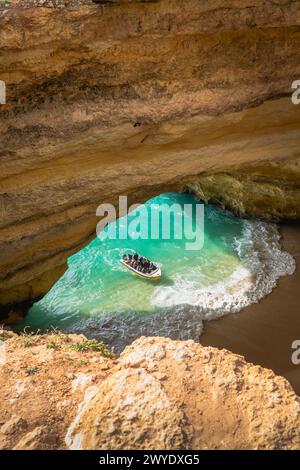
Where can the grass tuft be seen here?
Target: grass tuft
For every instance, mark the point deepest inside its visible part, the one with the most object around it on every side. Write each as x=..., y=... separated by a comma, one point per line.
x=31, y=370
x=54, y=343
x=91, y=345
x=29, y=338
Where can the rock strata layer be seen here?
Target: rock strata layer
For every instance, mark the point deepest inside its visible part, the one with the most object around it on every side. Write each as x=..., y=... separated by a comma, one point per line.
x=138, y=98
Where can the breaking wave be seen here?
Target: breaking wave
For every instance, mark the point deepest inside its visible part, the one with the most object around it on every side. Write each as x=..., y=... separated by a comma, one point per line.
x=240, y=263
x=262, y=264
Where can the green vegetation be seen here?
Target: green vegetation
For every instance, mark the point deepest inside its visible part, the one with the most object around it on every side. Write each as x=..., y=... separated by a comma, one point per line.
x=54, y=343
x=261, y=191
x=56, y=339
x=31, y=370
x=91, y=345
x=28, y=342
x=29, y=338
x=4, y=334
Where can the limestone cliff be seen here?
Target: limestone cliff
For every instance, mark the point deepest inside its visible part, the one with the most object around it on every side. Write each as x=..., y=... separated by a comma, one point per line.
x=268, y=190
x=132, y=97
x=160, y=394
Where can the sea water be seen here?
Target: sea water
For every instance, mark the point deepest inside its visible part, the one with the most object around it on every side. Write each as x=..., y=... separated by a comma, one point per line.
x=239, y=263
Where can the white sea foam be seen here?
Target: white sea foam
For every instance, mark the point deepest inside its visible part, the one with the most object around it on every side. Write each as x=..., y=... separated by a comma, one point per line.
x=96, y=297
x=180, y=308
x=262, y=263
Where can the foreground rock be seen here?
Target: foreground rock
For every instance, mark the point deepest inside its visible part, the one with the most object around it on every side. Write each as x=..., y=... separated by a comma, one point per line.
x=173, y=395
x=43, y=379
x=160, y=394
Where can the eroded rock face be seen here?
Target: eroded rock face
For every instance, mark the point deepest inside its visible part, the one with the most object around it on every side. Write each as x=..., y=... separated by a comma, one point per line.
x=160, y=394
x=43, y=380
x=136, y=98
x=172, y=394
x=266, y=190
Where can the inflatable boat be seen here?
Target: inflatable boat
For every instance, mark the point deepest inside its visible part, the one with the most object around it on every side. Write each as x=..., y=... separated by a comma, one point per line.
x=154, y=275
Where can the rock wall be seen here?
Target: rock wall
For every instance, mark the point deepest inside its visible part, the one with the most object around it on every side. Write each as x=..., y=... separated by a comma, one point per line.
x=138, y=98
x=268, y=190
x=160, y=394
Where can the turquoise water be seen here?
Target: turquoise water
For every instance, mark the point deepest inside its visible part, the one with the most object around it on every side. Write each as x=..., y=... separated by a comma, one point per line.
x=101, y=298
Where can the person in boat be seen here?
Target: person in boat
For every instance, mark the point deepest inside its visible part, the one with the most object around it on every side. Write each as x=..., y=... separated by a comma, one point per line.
x=133, y=261
x=142, y=264
x=152, y=267
x=137, y=260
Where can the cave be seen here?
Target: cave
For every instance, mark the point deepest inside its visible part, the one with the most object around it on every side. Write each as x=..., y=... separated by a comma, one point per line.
x=193, y=99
